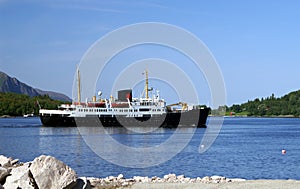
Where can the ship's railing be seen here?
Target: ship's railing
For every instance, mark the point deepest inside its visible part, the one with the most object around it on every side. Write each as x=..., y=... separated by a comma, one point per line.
x=55, y=112
x=121, y=111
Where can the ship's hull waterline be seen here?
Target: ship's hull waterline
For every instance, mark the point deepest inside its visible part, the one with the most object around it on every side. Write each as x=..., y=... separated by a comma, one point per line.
x=192, y=118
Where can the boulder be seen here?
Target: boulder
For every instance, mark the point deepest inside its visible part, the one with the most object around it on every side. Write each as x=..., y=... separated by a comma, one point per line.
x=180, y=177
x=198, y=179
x=170, y=177
x=107, y=180
x=120, y=176
x=14, y=162
x=112, y=179
x=218, y=179
x=145, y=180
x=48, y=172
x=138, y=178
x=94, y=181
x=206, y=179
x=154, y=178
x=3, y=174
x=19, y=178
x=82, y=183
x=186, y=180
x=5, y=161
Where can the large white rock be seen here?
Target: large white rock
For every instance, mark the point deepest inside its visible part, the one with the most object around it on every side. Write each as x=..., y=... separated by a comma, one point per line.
x=19, y=178
x=14, y=162
x=5, y=161
x=120, y=176
x=170, y=177
x=206, y=179
x=138, y=178
x=48, y=172
x=3, y=174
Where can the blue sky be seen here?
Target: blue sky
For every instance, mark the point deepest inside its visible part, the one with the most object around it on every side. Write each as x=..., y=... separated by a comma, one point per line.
x=256, y=43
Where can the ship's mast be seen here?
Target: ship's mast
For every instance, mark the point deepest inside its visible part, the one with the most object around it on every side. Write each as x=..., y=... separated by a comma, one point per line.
x=146, y=87
x=78, y=83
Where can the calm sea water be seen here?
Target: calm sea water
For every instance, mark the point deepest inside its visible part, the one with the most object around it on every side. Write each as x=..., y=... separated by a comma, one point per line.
x=247, y=148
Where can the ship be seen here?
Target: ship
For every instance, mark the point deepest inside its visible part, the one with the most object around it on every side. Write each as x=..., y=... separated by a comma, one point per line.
x=126, y=111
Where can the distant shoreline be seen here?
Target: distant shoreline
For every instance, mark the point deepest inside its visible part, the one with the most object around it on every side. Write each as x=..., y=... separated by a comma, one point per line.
x=226, y=116
x=8, y=116
x=245, y=116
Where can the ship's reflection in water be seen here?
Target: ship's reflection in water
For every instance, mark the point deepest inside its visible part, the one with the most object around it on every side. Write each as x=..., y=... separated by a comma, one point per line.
x=62, y=142
x=53, y=137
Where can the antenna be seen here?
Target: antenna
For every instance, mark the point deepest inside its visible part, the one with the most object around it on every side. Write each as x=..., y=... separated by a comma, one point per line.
x=78, y=83
x=147, y=85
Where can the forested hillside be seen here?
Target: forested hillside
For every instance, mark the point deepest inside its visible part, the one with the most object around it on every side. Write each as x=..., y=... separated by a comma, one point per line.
x=13, y=104
x=288, y=105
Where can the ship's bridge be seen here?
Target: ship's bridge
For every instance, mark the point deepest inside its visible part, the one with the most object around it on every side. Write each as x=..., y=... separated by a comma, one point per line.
x=148, y=102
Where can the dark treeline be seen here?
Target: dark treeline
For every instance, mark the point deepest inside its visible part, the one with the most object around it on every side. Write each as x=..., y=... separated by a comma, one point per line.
x=13, y=104
x=270, y=106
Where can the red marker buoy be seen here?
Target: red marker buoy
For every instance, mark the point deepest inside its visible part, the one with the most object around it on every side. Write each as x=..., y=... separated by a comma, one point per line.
x=283, y=151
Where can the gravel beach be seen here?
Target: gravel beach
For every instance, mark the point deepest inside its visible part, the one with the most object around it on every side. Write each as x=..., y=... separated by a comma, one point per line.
x=249, y=184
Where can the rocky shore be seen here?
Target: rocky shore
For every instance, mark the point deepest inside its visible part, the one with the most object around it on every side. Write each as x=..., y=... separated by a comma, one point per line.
x=46, y=172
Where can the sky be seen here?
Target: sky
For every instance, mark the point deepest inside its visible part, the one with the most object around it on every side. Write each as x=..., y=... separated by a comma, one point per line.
x=255, y=43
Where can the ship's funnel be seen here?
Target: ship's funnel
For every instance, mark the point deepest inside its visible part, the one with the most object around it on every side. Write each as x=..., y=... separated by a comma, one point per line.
x=124, y=94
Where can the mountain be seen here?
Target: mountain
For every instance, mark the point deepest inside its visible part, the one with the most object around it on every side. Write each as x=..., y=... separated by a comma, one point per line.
x=9, y=84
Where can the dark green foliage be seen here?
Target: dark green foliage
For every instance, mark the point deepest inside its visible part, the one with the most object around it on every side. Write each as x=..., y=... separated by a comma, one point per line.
x=288, y=105
x=18, y=104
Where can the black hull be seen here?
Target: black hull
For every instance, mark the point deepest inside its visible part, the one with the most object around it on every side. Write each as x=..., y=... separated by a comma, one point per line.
x=192, y=118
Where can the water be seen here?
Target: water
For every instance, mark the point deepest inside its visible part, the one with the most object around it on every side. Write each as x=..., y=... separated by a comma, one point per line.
x=247, y=148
